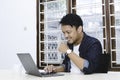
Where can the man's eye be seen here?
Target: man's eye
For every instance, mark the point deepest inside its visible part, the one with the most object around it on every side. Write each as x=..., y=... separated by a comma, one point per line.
x=63, y=32
x=68, y=32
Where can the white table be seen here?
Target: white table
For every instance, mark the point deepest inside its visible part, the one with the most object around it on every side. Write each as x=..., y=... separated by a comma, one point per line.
x=14, y=75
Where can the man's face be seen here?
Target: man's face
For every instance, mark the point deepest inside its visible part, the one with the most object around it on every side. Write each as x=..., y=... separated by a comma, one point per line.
x=71, y=33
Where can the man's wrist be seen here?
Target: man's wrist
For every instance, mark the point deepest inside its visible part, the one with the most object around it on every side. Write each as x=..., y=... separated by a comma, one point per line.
x=69, y=51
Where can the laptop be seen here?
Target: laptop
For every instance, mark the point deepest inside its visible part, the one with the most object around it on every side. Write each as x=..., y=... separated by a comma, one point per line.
x=31, y=68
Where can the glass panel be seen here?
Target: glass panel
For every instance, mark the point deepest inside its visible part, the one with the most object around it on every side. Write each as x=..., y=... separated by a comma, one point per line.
x=41, y=7
x=111, y=1
x=41, y=36
x=52, y=36
x=73, y=3
x=103, y=1
x=111, y=9
x=117, y=28
x=112, y=32
x=104, y=36
x=112, y=18
x=113, y=41
x=91, y=13
x=103, y=21
x=103, y=10
x=113, y=56
x=54, y=11
x=53, y=25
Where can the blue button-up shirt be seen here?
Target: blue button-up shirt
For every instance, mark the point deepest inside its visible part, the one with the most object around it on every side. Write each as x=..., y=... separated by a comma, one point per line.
x=90, y=49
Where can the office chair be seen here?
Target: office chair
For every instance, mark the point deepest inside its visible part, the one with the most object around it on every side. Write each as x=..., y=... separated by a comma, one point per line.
x=104, y=62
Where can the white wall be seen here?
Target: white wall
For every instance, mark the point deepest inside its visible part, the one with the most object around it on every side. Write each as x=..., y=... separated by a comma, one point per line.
x=17, y=30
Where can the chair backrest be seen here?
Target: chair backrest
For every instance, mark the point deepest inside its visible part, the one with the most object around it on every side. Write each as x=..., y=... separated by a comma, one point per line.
x=104, y=63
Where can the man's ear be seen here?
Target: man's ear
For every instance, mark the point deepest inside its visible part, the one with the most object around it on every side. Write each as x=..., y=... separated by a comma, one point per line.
x=79, y=29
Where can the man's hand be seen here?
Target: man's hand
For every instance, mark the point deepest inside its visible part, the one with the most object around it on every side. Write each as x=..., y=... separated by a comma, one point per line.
x=50, y=68
x=63, y=47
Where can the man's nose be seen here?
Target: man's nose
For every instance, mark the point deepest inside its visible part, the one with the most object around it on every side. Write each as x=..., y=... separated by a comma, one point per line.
x=66, y=35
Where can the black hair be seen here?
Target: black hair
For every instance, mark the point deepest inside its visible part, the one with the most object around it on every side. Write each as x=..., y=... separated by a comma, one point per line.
x=72, y=20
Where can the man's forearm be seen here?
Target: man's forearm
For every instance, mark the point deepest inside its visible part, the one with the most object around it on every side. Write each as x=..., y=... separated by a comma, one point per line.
x=78, y=61
x=59, y=69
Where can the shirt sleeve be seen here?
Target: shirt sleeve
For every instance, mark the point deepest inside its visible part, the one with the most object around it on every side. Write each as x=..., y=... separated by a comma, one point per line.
x=86, y=63
x=91, y=63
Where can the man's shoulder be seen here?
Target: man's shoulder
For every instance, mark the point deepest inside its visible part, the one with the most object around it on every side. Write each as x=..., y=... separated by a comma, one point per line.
x=90, y=39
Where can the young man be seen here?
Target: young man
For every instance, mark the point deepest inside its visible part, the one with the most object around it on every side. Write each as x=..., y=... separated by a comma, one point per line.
x=81, y=51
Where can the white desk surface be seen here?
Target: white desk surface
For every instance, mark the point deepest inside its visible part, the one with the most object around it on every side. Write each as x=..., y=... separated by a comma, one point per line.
x=14, y=75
